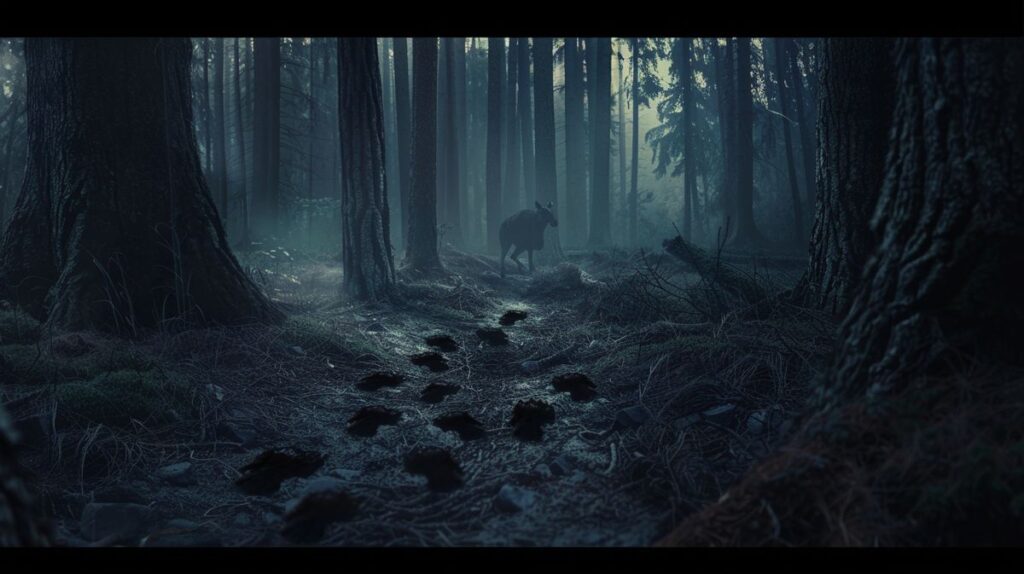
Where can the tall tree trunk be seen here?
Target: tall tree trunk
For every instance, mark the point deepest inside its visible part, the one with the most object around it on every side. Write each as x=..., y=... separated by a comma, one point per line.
x=311, y=141
x=421, y=246
x=453, y=215
x=461, y=138
x=600, y=134
x=620, y=100
x=635, y=160
x=794, y=188
x=495, y=77
x=525, y=109
x=207, y=127
x=366, y=238
x=575, y=147
x=725, y=67
x=689, y=165
x=854, y=117
x=390, y=136
x=267, y=134
x=544, y=120
x=220, y=146
x=240, y=135
x=403, y=121
x=806, y=138
x=510, y=195
x=117, y=230
x=747, y=234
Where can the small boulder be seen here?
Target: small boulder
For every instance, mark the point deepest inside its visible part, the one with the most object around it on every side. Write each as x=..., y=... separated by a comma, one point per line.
x=179, y=474
x=578, y=385
x=436, y=392
x=514, y=498
x=467, y=427
x=443, y=473
x=442, y=342
x=492, y=336
x=528, y=418
x=264, y=475
x=511, y=317
x=431, y=360
x=368, y=419
x=375, y=381
x=722, y=415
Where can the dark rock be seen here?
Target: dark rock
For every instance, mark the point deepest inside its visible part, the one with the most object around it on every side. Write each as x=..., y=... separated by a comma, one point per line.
x=436, y=392
x=561, y=465
x=443, y=342
x=180, y=474
x=723, y=415
x=297, y=350
x=511, y=317
x=492, y=336
x=431, y=360
x=121, y=522
x=267, y=471
x=631, y=417
x=578, y=385
x=376, y=327
x=528, y=418
x=366, y=421
x=514, y=498
x=379, y=379
x=437, y=465
x=462, y=423
x=307, y=517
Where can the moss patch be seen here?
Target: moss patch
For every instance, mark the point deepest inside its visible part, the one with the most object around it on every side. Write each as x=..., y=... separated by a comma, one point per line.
x=117, y=398
x=37, y=364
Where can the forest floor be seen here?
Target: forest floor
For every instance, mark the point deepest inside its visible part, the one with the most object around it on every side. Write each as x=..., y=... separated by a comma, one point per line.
x=142, y=442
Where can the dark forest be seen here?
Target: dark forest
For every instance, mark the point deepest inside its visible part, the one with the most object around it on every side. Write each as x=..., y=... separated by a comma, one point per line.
x=511, y=291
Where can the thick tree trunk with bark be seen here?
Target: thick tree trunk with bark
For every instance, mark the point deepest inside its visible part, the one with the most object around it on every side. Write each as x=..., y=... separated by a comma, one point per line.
x=115, y=228
x=220, y=145
x=453, y=179
x=495, y=79
x=240, y=136
x=403, y=125
x=544, y=121
x=635, y=163
x=600, y=135
x=854, y=117
x=689, y=163
x=510, y=192
x=421, y=246
x=575, y=147
x=725, y=85
x=804, y=123
x=20, y=522
x=369, y=271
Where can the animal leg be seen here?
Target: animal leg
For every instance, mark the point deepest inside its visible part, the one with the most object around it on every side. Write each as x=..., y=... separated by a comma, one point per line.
x=515, y=257
x=504, y=252
x=529, y=256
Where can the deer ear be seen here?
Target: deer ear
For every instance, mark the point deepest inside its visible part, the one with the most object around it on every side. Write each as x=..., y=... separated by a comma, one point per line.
x=537, y=203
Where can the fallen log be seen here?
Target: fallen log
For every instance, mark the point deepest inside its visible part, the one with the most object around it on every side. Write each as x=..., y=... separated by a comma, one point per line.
x=713, y=270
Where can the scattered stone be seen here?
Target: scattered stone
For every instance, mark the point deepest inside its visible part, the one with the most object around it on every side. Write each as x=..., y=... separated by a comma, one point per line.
x=462, y=423
x=511, y=317
x=264, y=475
x=366, y=421
x=437, y=465
x=431, y=360
x=578, y=385
x=307, y=517
x=436, y=392
x=757, y=422
x=542, y=470
x=631, y=417
x=530, y=367
x=180, y=474
x=115, y=520
x=443, y=342
x=514, y=498
x=722, y=415
x=561, y=465
x=375, y=381
x=297, y=350
x=242, y=520
x=492, y=336
x=528, y=418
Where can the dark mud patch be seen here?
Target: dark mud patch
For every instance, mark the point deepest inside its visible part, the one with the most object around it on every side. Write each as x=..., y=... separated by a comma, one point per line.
x=443, y=342
x=431, y=360
x=368, y=419
x=578, y=385
x=528, y=418
x=462, y=423
x=436, y=392
x=375, y=381
x=437, y=465
x=267, y=471
x=492, y=336
x=511, y=317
